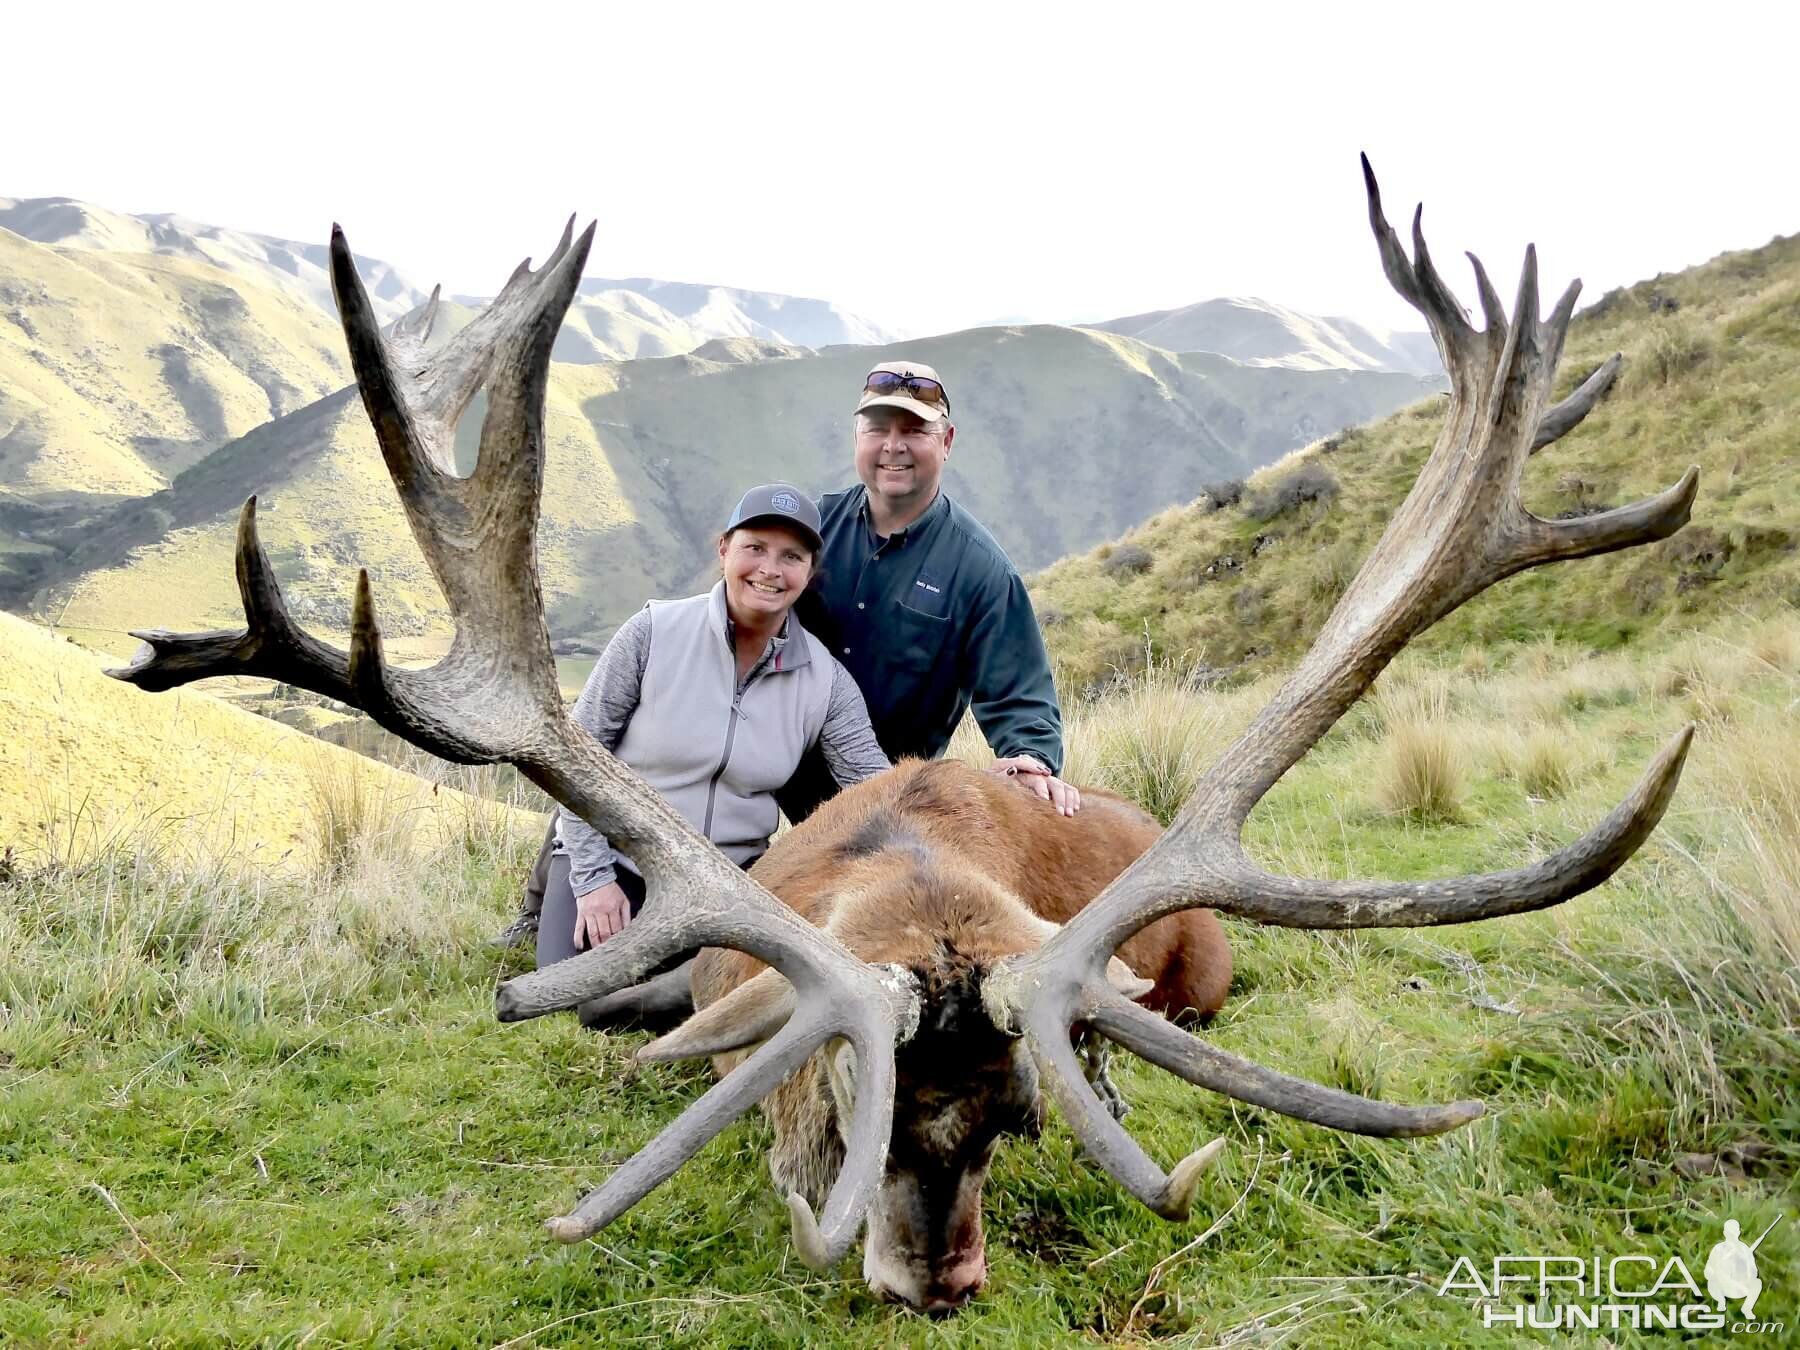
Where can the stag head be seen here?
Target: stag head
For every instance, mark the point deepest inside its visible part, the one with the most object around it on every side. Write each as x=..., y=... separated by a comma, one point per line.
x=962, y=1083
x=494, y=697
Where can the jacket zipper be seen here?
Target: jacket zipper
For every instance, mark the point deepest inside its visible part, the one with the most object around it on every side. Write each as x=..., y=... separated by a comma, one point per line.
x=731, y=723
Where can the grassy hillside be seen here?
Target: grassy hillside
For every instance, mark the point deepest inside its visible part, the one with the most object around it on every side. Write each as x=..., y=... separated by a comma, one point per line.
x=1711, y=377
x=119, y=370
x=235, y=1109
x=1064, y=437
x=90, y=761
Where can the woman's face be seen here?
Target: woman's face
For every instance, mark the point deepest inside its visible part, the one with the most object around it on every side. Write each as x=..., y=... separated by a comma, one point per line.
x=766, y=568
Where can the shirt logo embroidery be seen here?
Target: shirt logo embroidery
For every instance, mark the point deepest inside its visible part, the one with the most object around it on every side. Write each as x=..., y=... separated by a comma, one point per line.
x=784, y=501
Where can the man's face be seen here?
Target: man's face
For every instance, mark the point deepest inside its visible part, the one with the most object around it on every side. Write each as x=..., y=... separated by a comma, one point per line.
x=900, y=459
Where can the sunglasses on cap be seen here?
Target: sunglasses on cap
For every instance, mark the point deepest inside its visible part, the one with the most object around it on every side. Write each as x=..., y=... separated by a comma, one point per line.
x=889, y=382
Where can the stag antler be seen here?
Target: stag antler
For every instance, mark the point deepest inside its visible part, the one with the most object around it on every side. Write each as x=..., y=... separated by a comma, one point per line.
x=1461, y=529
x=494, y=696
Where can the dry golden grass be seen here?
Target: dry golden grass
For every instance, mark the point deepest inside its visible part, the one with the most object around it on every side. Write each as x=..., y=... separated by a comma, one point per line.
x=1151, y=743
x=1150, y=740
x=92, y=762
x=1775, y=645
x=1749, y=785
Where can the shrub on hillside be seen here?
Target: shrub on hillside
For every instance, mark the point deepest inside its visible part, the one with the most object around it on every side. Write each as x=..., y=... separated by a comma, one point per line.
x=1329, y=572
x=1675, y=348
x=1127, y=560
x=1226, y=492
x=1307, y=482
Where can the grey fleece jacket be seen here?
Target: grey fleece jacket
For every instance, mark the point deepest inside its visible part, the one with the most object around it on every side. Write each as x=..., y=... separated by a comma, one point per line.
x=665, y=698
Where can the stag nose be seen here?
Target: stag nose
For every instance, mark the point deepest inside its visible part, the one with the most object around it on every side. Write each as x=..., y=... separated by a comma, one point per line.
x=956, y=1284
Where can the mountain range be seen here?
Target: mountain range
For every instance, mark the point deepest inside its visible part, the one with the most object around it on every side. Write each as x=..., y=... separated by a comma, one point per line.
x=611, y=319
x=155, y=371
x=1070, y=437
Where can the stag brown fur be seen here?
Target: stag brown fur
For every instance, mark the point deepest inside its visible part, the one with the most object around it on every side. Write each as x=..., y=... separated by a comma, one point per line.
x=946, y=870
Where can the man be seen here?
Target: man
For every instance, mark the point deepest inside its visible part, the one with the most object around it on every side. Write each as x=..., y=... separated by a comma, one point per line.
x=922, y=607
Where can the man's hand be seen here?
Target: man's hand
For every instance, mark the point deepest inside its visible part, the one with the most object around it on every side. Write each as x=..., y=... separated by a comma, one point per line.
x=599, y=914
x=1035, y=777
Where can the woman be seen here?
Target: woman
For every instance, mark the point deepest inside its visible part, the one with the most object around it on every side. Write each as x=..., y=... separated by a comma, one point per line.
x=711, y=700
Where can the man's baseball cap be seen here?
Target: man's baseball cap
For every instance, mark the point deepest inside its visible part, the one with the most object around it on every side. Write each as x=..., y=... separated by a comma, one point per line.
x=779, y=504
x=909, y=385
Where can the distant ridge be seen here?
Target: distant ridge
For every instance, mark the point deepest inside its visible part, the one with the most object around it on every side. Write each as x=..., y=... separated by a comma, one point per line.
x=1261, y=333
x=281, y=264
x=611, y=320
x=638, y=317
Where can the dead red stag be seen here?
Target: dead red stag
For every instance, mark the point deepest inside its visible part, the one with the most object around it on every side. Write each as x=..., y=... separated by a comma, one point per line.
x=976, y=1021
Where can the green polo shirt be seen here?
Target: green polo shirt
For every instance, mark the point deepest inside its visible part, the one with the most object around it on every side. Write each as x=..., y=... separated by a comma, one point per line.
x=931, y=621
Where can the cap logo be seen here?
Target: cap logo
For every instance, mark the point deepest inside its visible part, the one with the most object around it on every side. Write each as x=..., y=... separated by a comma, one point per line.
x=784, y=501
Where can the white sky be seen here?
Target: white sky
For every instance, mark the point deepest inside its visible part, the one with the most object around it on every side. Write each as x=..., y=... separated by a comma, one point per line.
x=933, y=166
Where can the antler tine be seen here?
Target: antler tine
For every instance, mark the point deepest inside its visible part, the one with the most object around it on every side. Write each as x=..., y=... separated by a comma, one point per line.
x=820, y=1243
x=1205, y=1065
x=659, y=1160
x=415, y=410
x=748, y=1015
x=1154, y=1038
x=408, y=334
x=1105, y=1140
x=1493, y=312
x=1419, y=284
x=1462, y=528
x=1567, y=415
x=270, y=644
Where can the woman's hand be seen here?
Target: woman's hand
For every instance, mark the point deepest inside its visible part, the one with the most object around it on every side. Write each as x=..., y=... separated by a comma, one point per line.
x=599, y=914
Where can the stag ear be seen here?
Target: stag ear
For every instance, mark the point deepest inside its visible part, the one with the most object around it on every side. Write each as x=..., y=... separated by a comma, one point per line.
x=749, y=1014
x=1126, y=980
x=840, y=1068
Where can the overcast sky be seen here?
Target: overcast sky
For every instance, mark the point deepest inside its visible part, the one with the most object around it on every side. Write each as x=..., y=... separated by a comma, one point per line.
x=933, y=166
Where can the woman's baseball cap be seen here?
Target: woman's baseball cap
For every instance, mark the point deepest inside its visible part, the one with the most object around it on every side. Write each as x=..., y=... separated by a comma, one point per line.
x=780, y=504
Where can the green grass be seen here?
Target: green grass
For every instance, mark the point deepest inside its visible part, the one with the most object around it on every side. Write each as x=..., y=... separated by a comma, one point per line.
x=314, y=1132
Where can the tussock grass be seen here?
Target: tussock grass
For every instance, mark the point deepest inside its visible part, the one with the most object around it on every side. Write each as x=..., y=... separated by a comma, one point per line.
x=1758, y=873
x=1150, y=743
x=1674, y=349
x=352, y=815
x=1544, y=760
x=1422, y=772
x=1149, y=740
